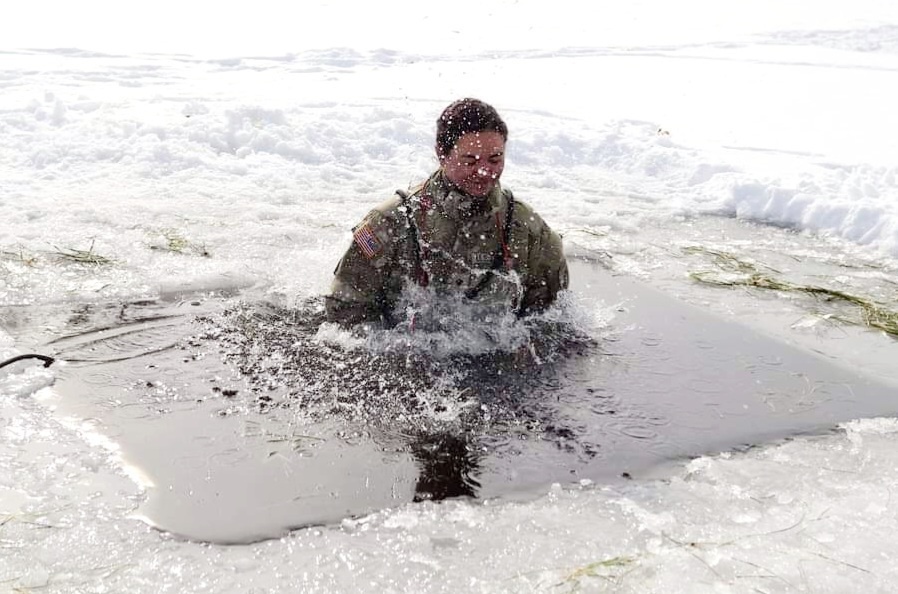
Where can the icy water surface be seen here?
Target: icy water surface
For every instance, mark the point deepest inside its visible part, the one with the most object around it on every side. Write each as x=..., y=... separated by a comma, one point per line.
x=241, y=423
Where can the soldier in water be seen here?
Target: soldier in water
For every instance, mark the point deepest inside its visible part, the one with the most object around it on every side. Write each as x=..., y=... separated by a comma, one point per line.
x=459, y=232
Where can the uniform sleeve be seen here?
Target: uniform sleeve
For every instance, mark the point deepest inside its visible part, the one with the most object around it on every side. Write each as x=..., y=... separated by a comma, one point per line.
x=363, y=287
x=547, y=274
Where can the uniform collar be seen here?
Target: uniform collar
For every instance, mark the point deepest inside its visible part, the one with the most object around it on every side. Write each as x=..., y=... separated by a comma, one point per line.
x=460, y=206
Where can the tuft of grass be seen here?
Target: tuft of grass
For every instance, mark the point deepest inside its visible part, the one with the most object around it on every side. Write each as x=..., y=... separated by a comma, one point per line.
x=607, y=569
x=746, y=274
x=725, y=260
x=872, y=314
x=88, y=256
x=25, y=519
x=19, y=256
x=588, y=231
x=178, y=244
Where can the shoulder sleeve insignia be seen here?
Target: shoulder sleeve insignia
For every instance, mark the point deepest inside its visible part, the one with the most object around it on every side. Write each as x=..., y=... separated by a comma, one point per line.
x=367, y=241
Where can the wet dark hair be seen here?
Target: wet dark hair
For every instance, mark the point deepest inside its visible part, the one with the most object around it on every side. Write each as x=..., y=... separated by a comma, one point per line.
x=463, y=116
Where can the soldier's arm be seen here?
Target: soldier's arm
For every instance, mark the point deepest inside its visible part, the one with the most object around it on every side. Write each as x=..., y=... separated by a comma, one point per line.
x=362, y=289
x=357, y=293
x=547, y=271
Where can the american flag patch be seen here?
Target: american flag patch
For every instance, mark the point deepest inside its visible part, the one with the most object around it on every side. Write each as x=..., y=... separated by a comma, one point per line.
x=367, y=241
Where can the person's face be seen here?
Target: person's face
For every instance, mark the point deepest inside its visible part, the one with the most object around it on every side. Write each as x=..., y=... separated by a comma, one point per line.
x=476, y=162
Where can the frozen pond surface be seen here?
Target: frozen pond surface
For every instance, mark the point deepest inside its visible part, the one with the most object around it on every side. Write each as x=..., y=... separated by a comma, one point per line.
x=720, y=145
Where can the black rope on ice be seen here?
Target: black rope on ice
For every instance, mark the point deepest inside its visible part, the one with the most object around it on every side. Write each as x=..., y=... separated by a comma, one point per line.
x=48, y=361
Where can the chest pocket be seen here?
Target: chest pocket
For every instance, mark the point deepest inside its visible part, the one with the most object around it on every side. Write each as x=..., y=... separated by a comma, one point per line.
x=460, y=268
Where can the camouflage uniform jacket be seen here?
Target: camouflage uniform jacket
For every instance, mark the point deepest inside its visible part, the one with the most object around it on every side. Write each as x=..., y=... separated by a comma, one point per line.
x=445, y=239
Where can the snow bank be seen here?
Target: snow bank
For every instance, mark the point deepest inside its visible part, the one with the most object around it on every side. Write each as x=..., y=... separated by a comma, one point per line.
x=858, y=203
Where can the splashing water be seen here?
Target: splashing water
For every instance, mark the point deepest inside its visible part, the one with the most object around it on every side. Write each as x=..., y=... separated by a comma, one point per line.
x=440, y=376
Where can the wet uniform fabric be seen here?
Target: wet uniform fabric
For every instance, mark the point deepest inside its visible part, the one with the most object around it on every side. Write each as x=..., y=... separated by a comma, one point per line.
x=445, y=239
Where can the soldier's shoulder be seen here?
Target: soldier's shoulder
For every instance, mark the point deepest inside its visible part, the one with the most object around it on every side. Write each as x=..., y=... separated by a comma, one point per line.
x=391, y=206
x=526, y=216
x=384, y=214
